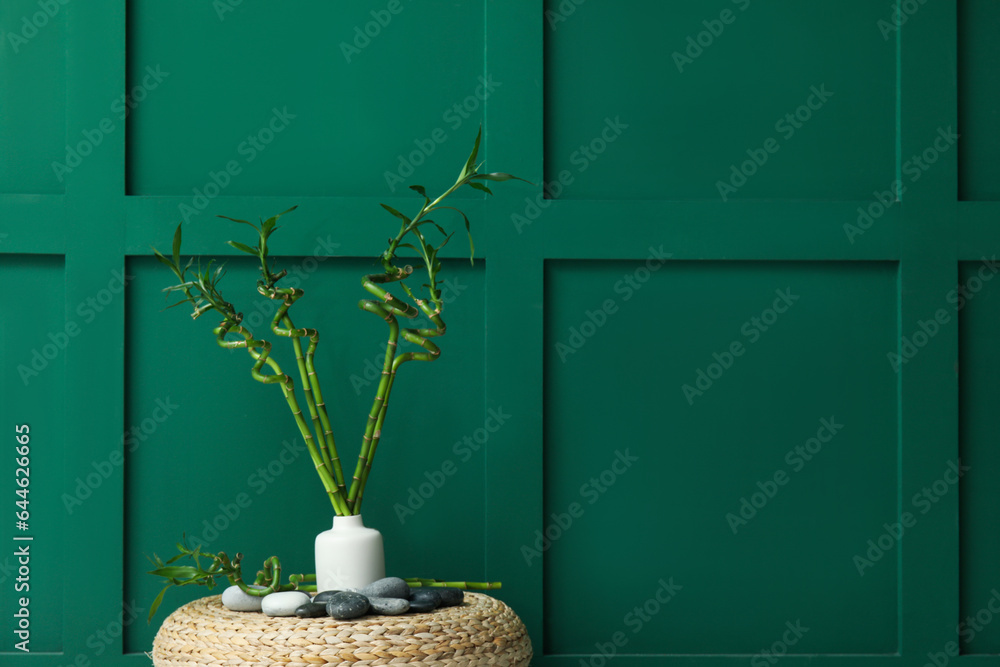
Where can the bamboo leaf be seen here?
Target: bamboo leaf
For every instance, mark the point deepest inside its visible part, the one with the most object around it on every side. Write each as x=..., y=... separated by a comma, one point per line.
x=156, y=604
x=177, y=245
x=446, y=239
x=163, y=259
x=480, y=186
x=499, y=176
x=243, y=247
x=419, y=189
x=468, y=229
x=469, y=164
x=174, y=305
x=396, y=213
x=242, y=222
x=268, y=226
x=175, y=572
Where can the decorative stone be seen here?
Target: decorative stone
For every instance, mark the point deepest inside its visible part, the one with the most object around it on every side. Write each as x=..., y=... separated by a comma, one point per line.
x=324, y=597
x=284, y=603
x=424, y=599
x=345, y=605
x=389, y=606
x=450, y=597
x=311, y=610
x=389, y=587
x=235, y=599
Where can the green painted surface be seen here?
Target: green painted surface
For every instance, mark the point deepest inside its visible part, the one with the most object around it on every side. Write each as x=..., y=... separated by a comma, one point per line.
x=544, y=265
x=33, y=109
x=33, y=393
x=751, y=472
x=979, y=99
x=355, y=86
x=681, y=101
x=980, y=547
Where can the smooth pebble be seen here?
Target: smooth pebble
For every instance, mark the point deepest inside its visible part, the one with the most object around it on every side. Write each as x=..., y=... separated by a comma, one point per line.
x=389, y=587
x=424, y=599
x=311, y=610
x=324, y=596
x=234, y=599
x=389, y=606
x=284, y=603
x=345, y=605
x=451, y=596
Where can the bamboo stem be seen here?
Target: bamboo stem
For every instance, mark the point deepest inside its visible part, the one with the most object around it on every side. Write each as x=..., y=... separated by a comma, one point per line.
x=231, y=325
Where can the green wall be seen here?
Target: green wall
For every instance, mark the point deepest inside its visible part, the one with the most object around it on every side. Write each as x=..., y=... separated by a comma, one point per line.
x=705, y=389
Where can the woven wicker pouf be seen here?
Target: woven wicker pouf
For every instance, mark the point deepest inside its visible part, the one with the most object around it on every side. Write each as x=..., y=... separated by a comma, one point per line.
x=482, y=631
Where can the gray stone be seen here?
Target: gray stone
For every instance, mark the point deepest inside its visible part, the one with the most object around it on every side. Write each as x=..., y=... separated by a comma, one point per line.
x=389, y=606
x=324, y=596
x=389, y=587
x=311, y=610
x=346, y=604
x=451, y=597
x=424, y=599
x=234, y=599
x=284, y=603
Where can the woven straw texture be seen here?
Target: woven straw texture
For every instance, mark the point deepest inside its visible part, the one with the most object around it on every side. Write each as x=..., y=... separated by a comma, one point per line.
x=483, y=631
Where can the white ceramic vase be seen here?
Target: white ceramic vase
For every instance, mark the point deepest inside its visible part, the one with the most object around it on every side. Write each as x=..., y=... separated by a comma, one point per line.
x=348, y=555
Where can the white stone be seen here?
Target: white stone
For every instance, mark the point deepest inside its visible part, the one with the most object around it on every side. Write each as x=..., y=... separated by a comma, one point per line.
x=234, y=599
x=284, y=603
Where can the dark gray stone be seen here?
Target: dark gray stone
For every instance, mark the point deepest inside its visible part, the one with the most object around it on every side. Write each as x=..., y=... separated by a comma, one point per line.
x=451, y=597
x=389, y=606
x=311, y=610
x=324, y=596
x=424, y=599
x=345, y=605
x=389, y=587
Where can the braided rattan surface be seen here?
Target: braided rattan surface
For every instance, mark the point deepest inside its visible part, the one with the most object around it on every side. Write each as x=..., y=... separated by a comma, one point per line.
x=482, y=631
